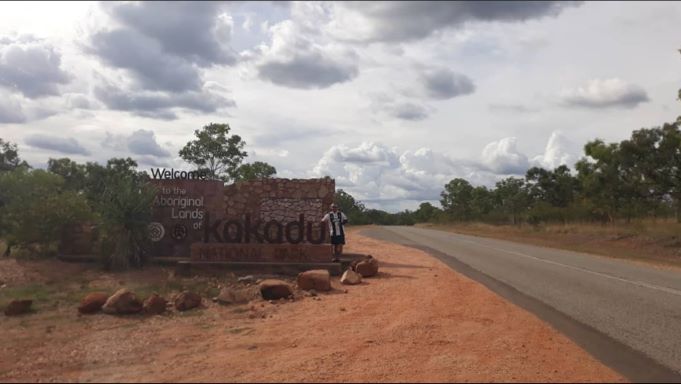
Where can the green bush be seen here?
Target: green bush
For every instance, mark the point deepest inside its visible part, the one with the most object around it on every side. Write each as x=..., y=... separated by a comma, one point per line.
x=34, y=208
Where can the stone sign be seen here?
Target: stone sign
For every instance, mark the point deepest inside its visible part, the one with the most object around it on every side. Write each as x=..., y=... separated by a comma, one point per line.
x=275, y=220
x=179, y=211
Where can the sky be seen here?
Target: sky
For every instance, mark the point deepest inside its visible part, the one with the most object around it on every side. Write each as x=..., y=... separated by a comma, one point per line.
x=391, y=99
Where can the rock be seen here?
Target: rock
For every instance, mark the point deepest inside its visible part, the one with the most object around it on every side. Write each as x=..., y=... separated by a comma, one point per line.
x=246, y=279
x=312, y=292
x=93, y=302
x=351, y=277
x=367, y=267
x=18, y=307
x=272, y=289
x=234, y=296
x=122, y=302
x=187, y=300
x=155, y=305
x=318, y=279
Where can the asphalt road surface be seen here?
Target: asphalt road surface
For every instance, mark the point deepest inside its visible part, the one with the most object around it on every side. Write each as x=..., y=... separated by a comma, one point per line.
x=626, y=314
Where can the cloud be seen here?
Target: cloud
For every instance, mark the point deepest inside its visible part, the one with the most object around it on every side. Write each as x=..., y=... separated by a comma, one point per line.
x=409, y=111
x=375, y=21
x=559, y=151
x=510, y=108
x=10, y=110
x=604, y=93
x=503, y=157
x=306, y=70
x=298, y=58
x=402, y=109
x=143, y=142
x=56, y=143
x=377, y=174
x=31, y=67
x=443, y=83
x=160, y=105
x=163, y=47
x=199, y=32
x=146, y=61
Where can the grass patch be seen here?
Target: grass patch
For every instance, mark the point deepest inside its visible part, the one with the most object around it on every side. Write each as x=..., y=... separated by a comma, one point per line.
x=644, y=240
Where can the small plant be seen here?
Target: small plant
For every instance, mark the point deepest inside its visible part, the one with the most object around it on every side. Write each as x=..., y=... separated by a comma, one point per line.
x=125, y=210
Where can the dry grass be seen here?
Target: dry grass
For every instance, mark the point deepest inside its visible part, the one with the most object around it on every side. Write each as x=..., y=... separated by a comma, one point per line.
x=658, y=241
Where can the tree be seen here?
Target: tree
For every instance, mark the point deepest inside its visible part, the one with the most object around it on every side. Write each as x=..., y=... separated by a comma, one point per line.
x=512, y=197
x=215, y=151
x=9, y=157
x=256, y=170
x=74, y=174
x=37, y=207
x=456, y=199
x=353, y=209
x=426, y=212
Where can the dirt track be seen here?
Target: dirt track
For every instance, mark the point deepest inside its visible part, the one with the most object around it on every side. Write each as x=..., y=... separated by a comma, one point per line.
x=417, y=321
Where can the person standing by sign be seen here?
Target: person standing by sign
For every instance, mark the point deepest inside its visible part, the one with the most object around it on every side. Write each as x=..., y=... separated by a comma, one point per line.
x=336, y=220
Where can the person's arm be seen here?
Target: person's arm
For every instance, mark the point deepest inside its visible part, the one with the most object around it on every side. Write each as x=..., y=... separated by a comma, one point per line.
x=325, y=218
x=345, y=218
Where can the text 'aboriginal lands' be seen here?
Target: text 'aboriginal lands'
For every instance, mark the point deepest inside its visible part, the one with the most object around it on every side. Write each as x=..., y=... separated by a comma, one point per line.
x=182, y=207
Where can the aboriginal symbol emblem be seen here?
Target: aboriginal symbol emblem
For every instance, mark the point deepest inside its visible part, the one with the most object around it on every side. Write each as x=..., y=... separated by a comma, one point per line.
x=156, y=231
x=179, y=232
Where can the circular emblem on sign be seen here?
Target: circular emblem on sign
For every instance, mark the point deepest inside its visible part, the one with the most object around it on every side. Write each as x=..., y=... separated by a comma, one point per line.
x=179, y=232
x=156, y=231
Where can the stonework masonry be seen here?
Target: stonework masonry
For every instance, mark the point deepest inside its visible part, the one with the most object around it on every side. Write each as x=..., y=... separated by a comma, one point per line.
x=282, y=200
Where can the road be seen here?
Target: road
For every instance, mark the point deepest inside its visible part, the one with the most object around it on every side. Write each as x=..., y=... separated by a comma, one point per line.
x=626, y=314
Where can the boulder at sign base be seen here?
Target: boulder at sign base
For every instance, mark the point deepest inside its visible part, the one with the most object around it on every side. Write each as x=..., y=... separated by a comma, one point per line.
x=155, y=305
x=318, y=279
x=367, y=267
x=351, y=277
x=18, y=307
x=272, y=289
x=123, y=302
x=93, y=302
x=187, y=300
x=234, y=296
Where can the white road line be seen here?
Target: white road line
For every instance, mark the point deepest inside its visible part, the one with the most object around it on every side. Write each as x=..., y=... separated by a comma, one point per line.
x=634, y=282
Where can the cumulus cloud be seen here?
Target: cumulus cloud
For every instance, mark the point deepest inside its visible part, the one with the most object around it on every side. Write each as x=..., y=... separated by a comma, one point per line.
x=402, y=109
x=140, y=142
x=559, y=151
x=163, y=48
x=31, y=67
x=145, y=60
x=375, y=21
x=503, y=157
x=143, y=142
x=57, y=143
x=199, y=32
x=376, y=174
x=10, y=110
x=160, y=105
x=443, y=83
x=300, y=57
x=603, y=93
x=306, y=70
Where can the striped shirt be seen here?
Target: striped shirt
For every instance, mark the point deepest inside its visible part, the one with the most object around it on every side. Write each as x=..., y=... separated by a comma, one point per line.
x=336, y=221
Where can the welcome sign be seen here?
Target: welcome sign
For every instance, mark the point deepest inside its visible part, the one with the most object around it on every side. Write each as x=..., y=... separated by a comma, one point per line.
x=260, y=220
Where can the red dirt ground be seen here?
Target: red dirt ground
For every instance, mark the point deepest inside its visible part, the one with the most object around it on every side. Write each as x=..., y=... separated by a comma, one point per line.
x=416, y=321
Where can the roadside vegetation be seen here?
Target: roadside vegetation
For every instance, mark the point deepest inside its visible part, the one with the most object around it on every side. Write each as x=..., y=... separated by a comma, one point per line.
x=36, y=205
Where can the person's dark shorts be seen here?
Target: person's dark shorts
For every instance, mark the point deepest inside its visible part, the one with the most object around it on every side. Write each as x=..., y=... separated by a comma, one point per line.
x=340, y=239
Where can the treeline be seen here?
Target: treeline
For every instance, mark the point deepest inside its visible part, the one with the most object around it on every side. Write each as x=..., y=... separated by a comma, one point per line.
x=36, y=205
x=639, y=177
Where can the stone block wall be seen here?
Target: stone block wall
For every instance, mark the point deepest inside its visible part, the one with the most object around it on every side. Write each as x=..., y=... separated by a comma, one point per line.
x=280, y=200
